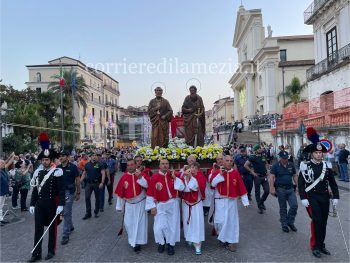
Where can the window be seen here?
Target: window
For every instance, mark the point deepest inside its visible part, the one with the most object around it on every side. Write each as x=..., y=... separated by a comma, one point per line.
x=106, y=115
x=100, y=114
x=38, y=90
x=38, y=77
x=85, y=134
x=331, y=37
x=93, y=112
x=99, y=99
x=106, y=101
x=283, y=55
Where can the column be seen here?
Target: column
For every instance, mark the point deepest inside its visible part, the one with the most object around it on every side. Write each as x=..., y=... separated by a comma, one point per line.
x=250, y=95
x=270, y=89
x=236, y=110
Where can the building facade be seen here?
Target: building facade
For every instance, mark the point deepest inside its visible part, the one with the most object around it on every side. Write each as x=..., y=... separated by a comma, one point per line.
x=266, y=66
x=98, y=121
x=328, y=106
x=134, y=126
x=222, y=120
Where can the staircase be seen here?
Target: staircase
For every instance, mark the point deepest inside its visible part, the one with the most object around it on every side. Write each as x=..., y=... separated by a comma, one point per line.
x=245, y=137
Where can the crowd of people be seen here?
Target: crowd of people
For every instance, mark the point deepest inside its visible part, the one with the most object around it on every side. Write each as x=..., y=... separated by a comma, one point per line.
x=176, y=198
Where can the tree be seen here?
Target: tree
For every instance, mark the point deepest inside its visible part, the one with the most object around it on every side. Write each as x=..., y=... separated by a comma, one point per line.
x=49, y=103
x=13, y=96
x=19, y=144
x=292, y=92
x=81, y=93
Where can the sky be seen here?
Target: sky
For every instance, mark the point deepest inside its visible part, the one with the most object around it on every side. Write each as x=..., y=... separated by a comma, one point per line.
x=145, y=42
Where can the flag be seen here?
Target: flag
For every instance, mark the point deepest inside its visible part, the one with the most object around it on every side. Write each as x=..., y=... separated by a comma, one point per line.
x=61, y=77
x=73, y=80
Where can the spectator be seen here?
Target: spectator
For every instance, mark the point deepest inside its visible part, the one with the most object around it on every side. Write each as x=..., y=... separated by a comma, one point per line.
x=343, y=163
x=4, y=185
x=20, y=178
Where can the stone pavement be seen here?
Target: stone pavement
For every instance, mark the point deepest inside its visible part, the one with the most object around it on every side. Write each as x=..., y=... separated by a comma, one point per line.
x=261, y=239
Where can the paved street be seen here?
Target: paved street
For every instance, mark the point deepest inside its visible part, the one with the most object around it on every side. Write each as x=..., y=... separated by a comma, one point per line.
x=261, y=239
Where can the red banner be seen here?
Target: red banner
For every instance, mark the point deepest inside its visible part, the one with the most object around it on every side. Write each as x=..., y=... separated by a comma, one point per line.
x=177, y=127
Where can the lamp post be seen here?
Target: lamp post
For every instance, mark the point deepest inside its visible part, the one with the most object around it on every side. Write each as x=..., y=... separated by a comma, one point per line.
x=257, y=123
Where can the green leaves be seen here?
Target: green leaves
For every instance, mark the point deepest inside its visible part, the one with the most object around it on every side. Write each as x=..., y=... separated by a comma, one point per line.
x=292, y=92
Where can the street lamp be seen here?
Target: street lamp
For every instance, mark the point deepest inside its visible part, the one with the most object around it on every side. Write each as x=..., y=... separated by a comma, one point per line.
x=257, y=123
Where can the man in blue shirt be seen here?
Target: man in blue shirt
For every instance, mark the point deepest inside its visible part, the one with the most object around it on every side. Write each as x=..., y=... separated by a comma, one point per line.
x=240, y=160
x=283, y=174
x=343, y=163
x=95, y=176
x=72, y=192
x=112, y=167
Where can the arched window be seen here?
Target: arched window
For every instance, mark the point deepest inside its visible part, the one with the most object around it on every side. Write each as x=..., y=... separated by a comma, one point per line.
x=38, y=77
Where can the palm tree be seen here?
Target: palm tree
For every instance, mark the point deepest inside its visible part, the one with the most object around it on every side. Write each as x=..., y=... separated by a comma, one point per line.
x=49, y=103
x=292, y=92
x=81, y=93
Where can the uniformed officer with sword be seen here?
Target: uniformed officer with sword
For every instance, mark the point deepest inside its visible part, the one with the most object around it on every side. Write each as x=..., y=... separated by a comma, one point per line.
x=48, y=199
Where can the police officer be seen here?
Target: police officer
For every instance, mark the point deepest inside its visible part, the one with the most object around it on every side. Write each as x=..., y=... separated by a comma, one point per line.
x=283, y=174
x=313, y=182
x=94, y=174
x=72, y=192
x=259, y=171
x=240, y=160
x=48, y=186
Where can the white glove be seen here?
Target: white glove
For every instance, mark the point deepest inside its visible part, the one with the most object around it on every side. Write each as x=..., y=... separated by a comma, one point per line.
x=335, y=202
x=31, y=210
x=305, y=202
x=59, y=210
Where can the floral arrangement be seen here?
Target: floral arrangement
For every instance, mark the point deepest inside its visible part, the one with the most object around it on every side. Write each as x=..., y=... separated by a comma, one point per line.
x=178, y=150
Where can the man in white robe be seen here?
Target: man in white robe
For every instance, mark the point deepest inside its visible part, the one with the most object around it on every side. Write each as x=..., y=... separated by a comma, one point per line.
x=229, y=186
x=131, y=197
x=164, y=205
x=192, y=207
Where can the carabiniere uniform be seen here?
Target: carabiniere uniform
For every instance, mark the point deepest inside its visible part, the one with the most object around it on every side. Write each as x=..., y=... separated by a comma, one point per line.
x=316, y=191
x=48, y=193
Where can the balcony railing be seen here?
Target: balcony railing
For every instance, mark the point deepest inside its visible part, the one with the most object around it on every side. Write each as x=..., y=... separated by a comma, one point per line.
x=329, y=63
x=312, y=9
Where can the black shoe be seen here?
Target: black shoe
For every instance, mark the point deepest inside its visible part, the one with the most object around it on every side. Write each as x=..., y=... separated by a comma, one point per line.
x=96, y=215
x=110, y=202
x=285, y=229
x=261, y=211
x=86, y=217
x=292, y=227
x=171, y=250
x=72, y=229
x=316, y=253
x=263, y=206
x=101, y=210
x=34, y=258
x=49, y=256
x=161, y=248
x=325, y=251
x=24, y=209
x=4, y=222
x=137, y=248
x=65, y=240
